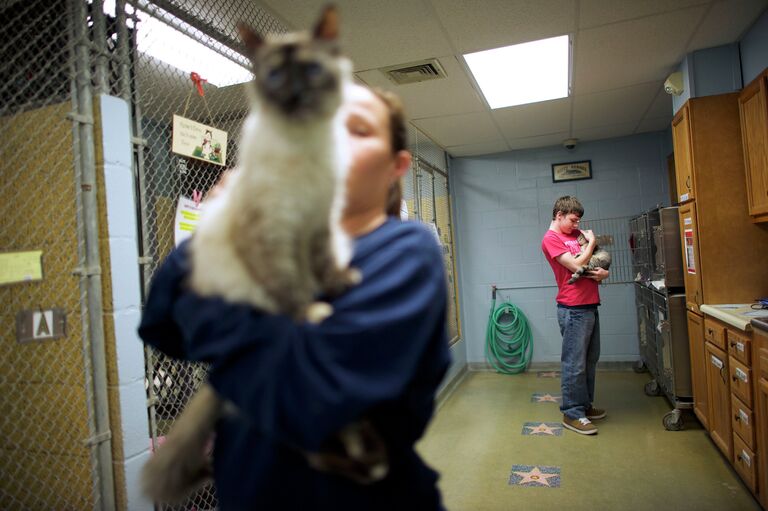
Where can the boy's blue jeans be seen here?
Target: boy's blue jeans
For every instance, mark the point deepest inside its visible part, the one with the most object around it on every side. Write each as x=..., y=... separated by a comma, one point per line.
x=580, y=329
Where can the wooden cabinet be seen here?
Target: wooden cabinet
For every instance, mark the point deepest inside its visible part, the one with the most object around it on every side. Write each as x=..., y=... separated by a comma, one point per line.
x=681, y=138
x=762, y=439
x=719, y=399
x=753, y=109
x=698, y=368
x=760, y=370
x=691, y=265
x=709, y=161
x=743, y=422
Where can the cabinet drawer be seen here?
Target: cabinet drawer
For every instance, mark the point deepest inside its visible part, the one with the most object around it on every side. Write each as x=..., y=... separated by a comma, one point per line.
x=741, y=381
x=714, y=332
x=762, y=363
x=744, y=462
x=742, y=420
x=740, y=347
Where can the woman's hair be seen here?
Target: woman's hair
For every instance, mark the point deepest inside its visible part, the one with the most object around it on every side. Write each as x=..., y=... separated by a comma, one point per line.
x=398, y=140
x=567, y=205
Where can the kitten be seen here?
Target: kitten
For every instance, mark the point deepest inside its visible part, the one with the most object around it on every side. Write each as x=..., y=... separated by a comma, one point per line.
x=601, y=258
x=271, y=237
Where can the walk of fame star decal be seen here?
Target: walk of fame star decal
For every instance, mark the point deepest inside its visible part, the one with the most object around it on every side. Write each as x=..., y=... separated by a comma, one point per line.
x=548, y=374
x=543, y=429
x=540, y=397
x=535, y=475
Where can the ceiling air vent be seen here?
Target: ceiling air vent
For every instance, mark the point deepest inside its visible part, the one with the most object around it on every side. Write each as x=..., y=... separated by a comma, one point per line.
x=415, y=72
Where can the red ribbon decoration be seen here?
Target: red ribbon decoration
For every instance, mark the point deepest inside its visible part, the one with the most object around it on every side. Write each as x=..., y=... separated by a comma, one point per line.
x=197, y=197
x=198, y=82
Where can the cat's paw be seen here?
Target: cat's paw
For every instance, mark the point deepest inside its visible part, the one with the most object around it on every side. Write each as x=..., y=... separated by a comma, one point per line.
x=353, y=276
x=317, y=312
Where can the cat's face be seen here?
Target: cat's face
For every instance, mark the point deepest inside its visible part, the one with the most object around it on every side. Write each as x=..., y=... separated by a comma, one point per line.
x=299, y=74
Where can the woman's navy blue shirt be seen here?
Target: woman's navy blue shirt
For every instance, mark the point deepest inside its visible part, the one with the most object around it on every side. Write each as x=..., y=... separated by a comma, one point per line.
x=382, y=355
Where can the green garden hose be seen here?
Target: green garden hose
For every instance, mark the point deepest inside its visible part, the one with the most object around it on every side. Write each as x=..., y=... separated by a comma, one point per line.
x=509, y=343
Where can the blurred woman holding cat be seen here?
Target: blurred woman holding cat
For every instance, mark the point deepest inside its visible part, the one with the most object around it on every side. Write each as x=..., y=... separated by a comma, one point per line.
x=379, y=358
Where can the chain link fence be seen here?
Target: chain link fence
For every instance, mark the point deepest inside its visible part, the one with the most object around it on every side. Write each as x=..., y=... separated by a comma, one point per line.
x=57, y=449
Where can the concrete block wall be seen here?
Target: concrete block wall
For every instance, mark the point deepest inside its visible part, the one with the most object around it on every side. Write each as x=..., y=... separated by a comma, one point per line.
x=502, y=207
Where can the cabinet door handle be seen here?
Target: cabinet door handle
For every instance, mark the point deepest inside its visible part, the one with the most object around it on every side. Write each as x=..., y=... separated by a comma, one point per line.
x=737, y=418
x=688, y=182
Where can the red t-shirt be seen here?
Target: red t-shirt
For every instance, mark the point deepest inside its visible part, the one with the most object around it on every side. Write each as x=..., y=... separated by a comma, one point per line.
x=582, y=292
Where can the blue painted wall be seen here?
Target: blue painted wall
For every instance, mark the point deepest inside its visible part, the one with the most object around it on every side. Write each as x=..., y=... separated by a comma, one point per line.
x=709, y=72
x=717, y=70
x=754, y=49
x=503, y=206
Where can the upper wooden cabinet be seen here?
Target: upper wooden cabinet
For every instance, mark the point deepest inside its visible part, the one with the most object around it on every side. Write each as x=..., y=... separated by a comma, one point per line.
x=681, y=138
x=723, y=250
x=753, y=107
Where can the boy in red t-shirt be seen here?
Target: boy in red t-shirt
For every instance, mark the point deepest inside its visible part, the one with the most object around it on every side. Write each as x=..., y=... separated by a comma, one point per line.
x=576, y=313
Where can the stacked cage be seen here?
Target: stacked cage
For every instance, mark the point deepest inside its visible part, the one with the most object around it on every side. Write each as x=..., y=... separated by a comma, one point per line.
x=661, y=313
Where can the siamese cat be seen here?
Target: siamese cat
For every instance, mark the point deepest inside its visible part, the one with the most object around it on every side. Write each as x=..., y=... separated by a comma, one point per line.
x=272, y=238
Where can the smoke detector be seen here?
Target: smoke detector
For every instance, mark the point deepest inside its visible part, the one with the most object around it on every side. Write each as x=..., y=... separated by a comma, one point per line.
x=415, y=72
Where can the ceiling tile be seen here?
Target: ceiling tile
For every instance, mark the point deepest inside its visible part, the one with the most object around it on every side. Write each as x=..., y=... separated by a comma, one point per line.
x=632, y=52
x=460, y=129
x=726, y=22
x=541, y=141
x=601, y=12
x=477, y=149
x=654, y=124
x=601, y=132
x=451, y=95
x=661, y=106
x=625, y=105
x=375, y=34
x=475, y=26
x=534, y=119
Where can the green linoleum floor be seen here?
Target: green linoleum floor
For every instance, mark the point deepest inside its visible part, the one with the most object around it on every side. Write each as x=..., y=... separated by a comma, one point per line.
x=633, y=463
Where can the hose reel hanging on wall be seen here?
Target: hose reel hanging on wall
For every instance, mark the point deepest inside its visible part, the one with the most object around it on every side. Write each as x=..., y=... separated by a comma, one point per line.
x=508, y=338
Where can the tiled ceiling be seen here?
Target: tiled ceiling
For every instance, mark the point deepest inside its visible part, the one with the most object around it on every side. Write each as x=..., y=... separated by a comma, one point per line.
x=622, y=52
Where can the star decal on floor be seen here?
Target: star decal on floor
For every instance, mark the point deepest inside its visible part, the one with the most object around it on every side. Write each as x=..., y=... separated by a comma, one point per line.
x=531, y=475
x=540, y=397
x=543, y=429
x=548, y=374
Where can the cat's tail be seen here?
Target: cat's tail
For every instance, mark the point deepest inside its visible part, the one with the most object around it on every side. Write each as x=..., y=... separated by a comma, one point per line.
x=181, y=465
x=576, y=276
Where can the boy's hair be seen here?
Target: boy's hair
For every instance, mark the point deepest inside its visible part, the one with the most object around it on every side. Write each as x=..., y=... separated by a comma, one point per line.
x=566, y=205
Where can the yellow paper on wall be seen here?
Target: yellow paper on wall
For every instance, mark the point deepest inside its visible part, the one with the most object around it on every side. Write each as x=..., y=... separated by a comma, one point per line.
x=21, y=266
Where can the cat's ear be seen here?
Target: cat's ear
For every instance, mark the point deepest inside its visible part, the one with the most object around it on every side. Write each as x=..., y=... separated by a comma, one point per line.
x=251, y=39
x=328, y=26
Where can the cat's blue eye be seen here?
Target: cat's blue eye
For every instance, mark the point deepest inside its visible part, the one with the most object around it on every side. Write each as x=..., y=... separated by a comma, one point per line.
x=313, y=69
x=275, y=76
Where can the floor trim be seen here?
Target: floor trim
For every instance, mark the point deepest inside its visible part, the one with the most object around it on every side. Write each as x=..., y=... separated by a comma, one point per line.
x=555, y=366
x=447, y=390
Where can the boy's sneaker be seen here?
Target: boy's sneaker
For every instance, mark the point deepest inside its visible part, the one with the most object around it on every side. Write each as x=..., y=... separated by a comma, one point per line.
x=583, y=425
x=593, y=413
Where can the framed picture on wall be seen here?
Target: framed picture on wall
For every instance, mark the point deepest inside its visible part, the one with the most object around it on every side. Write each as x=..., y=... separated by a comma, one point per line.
x=571, y=171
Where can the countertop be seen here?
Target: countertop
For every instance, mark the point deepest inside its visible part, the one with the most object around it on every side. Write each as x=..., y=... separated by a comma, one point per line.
x=737, y=315
x=760, y=324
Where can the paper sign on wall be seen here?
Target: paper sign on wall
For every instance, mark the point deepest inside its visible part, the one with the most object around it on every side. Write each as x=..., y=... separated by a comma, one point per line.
x=199, y=141
x=187, y=217
x=690, y=260
x=21, y=266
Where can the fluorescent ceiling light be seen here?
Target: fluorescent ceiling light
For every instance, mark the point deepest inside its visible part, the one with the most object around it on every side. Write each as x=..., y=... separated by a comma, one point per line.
x=163, y=42
x=522, y=73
